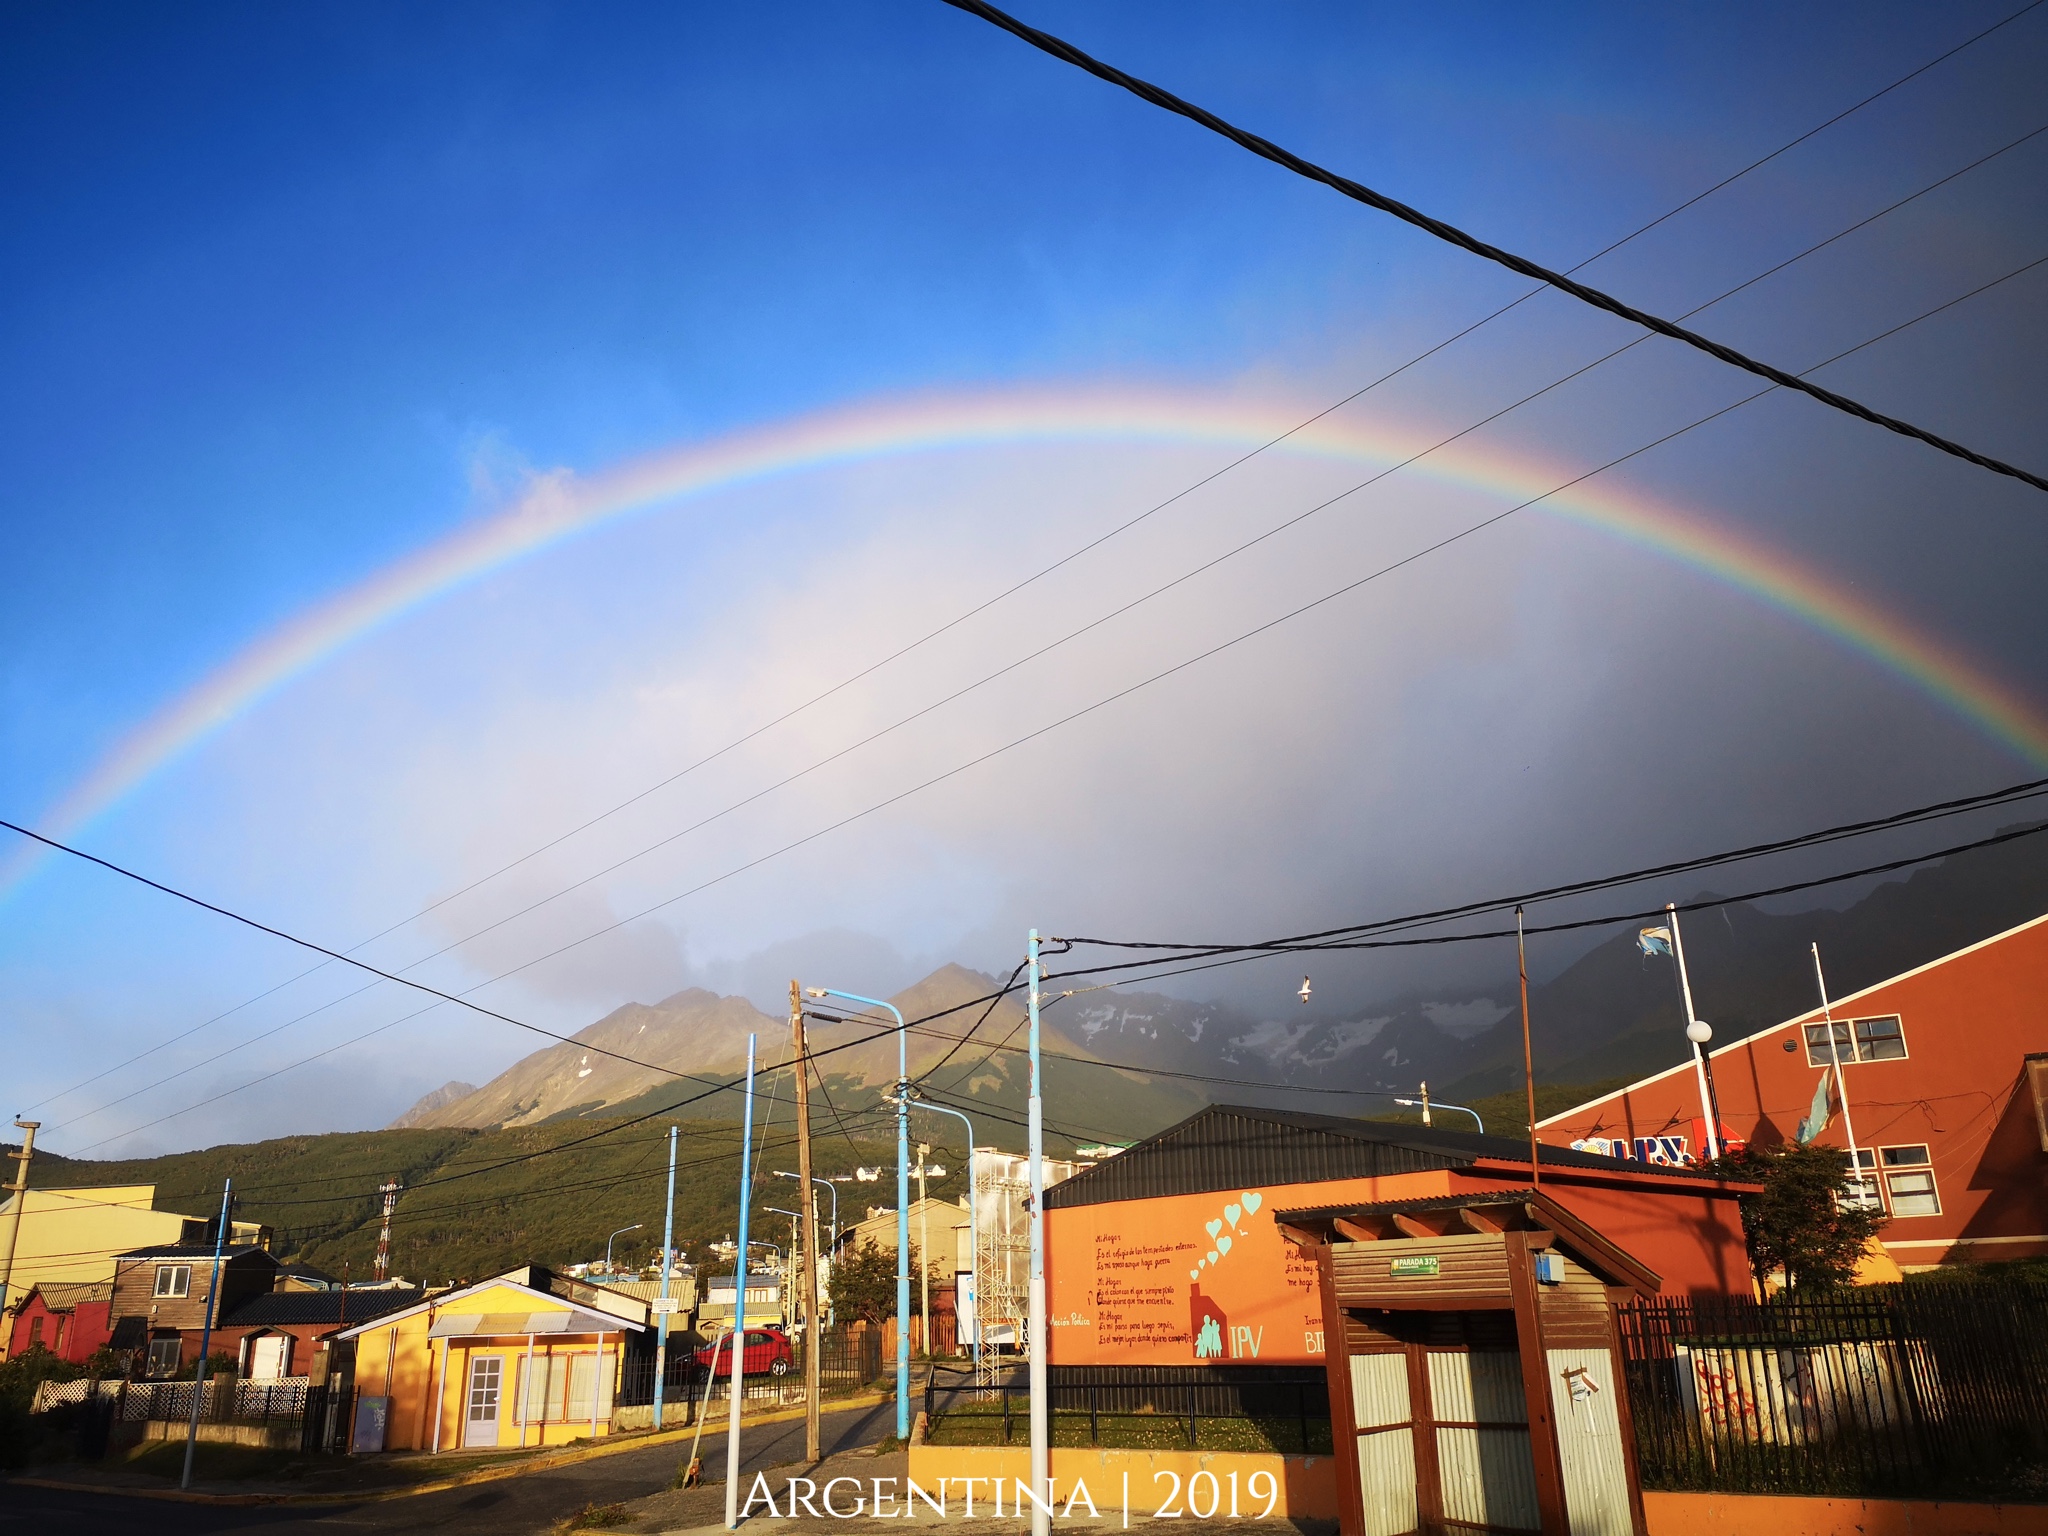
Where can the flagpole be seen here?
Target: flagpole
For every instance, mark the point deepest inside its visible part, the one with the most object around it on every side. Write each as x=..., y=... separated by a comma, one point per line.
x=1841, y=1083
x=1699, y=1056
x=1528, y=1056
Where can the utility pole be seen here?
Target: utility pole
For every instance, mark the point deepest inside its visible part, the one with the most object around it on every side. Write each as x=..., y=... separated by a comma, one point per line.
x=1528, y=1055
x=390, y=1192
x=18, y=1189
x=662, y=1309
x=220, y=1234
x=737, y=1378
x=924, y=1253
x=814, y=1334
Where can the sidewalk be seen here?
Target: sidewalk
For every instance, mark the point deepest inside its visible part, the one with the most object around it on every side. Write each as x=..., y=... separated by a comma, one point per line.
x=316, y=1480
x=701, y=1511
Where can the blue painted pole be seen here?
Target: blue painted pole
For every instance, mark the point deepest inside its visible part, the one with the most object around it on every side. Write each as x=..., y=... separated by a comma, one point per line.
x=736, y=1380
x=220, y=1233
x=668, y=1237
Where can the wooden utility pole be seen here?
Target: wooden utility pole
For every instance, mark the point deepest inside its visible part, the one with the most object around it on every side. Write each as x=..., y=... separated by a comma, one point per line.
x=814, y=1335
x=1528, y=1056
x=19, y=1190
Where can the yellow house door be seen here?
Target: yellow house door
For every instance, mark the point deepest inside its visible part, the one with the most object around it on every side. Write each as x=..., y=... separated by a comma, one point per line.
x=486, y=1387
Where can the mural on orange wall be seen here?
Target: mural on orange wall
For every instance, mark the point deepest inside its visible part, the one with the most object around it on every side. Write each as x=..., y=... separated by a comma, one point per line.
x=1182, y=1280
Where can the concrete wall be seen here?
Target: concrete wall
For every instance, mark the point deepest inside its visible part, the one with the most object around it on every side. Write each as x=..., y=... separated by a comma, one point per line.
x=1729, y=1514
x=1302, y=1486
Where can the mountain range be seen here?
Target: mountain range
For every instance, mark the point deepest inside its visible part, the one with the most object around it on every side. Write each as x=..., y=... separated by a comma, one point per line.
x=1121, y=1064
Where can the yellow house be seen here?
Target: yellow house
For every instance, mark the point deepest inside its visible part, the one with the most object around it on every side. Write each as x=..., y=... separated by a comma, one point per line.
x=70, y=1236
x=530, y=1358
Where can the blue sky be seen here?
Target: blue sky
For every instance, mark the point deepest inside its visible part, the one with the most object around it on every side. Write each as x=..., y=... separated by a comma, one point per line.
x=286, y=296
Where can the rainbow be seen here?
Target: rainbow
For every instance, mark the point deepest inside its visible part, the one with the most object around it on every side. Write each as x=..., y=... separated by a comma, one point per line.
x=561, y=505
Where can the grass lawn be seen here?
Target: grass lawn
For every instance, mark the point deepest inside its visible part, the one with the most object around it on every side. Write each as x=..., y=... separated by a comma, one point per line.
x=983, y=1425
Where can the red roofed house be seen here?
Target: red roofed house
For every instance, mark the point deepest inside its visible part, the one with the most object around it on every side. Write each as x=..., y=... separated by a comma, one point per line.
x=69, y=1319
x=1946, y=1071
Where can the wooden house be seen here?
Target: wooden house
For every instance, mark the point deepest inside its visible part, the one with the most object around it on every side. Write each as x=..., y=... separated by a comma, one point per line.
x=162, y=1294
x=528, y=1358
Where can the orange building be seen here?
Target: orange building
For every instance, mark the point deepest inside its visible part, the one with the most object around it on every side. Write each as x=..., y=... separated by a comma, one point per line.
x=528, y=1358
x=1168, y=1254
x=1946, y=1075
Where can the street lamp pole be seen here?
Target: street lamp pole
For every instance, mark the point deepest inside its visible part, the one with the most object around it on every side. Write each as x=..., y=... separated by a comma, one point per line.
x=1041, y=1425
x=902, y=1200
x=973, y=1218
x=608, y=1245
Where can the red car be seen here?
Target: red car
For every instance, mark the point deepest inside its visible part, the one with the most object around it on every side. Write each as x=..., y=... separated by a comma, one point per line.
x=768, y=1353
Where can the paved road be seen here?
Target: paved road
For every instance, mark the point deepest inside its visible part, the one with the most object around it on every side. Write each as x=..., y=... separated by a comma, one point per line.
x=513, y=1506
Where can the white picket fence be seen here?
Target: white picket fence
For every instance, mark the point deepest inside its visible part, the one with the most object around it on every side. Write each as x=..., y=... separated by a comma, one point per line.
x=282, y=1398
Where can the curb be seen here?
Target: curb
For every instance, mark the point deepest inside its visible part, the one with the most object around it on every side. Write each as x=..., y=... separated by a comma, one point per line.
x=543, y=1462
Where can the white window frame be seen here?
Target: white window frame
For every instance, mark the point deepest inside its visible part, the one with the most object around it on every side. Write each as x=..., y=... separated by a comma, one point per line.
x=1925, y=1165
x=1851, y=1047
x=179, y=1277
x=1864, y=1191
x=165, y=1356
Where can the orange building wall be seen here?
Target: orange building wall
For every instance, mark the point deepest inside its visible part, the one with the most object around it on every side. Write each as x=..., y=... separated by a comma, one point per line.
x=1969, y=1021
x=1130, y=1282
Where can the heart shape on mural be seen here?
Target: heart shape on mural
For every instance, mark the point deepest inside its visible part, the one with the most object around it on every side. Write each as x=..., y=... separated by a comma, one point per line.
x=1231, y=1213
x=1223, y=1244
x=1212, y=1256
x=1253, y=1199
x=1214, y=1227
x=1194, y=1274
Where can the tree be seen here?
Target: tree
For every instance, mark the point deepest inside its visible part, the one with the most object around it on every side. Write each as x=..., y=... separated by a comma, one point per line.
x=863, y=1283
x=1798, y=1223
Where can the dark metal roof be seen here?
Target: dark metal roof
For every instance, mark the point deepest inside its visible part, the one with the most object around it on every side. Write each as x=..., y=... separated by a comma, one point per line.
x=280, y=1308
x=1236, y=1146
x=196, y=1251
x=1407, y=1207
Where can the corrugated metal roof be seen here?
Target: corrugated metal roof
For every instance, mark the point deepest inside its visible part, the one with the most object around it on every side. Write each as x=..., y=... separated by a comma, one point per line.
x=280, y=1308
x=498, y=1325
x=1235, y=1146
x=1410, y=1207
x=63, y=1295
x=229, y=1254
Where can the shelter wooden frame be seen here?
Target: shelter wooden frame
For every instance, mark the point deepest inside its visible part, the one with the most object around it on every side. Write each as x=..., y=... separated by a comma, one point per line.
x=1470, y=1283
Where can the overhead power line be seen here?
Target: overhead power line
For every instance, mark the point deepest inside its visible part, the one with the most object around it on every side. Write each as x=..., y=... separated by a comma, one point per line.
x=2011, y=794
x=1078, y=552
x=980, y=758
x=1238, y=955
x=1267, y=150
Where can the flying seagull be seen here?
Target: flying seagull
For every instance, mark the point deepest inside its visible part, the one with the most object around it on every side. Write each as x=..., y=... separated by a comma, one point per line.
x=1303, y=993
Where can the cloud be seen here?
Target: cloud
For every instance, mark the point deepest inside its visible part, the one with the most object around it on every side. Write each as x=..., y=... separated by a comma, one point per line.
x=1533, y=703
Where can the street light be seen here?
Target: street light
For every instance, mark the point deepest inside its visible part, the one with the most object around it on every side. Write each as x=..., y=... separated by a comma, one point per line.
x=902, y=1202
x=608, y=1244
x=973, y=1217
x=815, y=1179
x=1440, y=1104
x=833, y=1246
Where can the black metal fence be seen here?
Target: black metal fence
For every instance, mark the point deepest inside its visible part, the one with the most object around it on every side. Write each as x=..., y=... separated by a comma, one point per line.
x=1289, y=1404
x=850, y=1359
x=1921, y=1389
